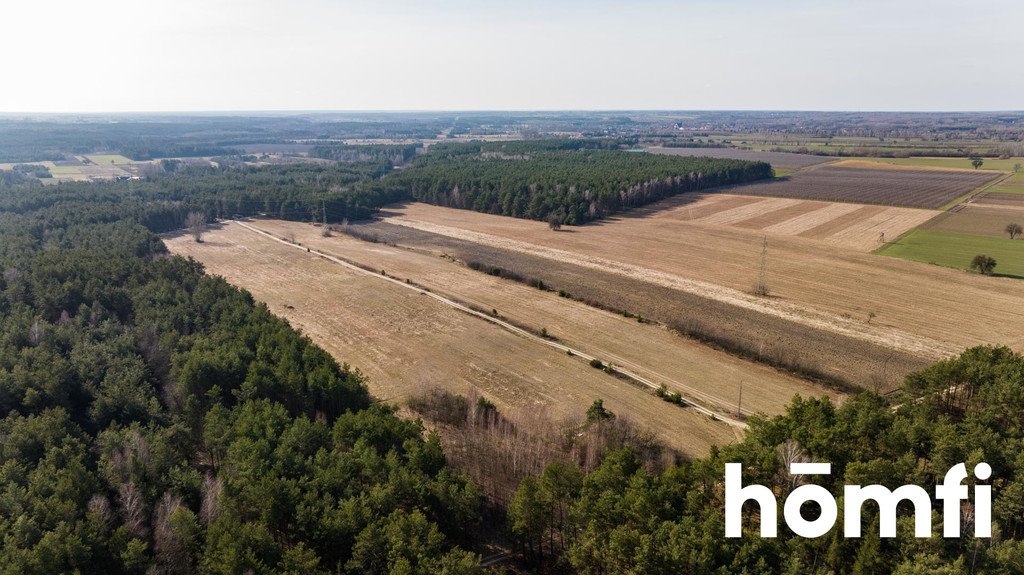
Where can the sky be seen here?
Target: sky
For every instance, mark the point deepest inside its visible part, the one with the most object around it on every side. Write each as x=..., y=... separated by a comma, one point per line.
x=268, y=55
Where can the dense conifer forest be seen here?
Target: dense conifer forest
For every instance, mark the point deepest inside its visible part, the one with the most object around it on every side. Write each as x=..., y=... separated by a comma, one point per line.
x=562, y=181
x=622, y=518
x=157, y=420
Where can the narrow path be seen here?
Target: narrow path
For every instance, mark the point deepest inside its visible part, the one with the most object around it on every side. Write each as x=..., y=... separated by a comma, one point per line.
x=496, y=321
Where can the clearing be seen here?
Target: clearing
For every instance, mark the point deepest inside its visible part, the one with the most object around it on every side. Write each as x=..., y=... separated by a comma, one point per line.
x=108, y=159
x=710, y=377
x=407, y=342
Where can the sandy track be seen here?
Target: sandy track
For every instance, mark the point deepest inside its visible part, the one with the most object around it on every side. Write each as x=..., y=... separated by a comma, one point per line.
x=651, y=352
x=926, y=309
x=406, y=342
x=875, y=334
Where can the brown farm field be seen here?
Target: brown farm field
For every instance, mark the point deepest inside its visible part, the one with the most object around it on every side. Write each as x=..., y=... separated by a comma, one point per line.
x=407, y=342
x=915, y=308
x=888, y=186
x=779, y=160
x=985, y=214
x=855, y=226
x=708, y=376
x=767, y=337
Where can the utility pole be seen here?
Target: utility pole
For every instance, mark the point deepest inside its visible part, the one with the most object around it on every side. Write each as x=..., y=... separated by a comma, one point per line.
x=739, y=404
x=323, y=206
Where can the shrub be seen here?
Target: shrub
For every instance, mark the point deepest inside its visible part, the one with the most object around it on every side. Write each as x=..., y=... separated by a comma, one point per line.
x=442, y=406
x=983, y=264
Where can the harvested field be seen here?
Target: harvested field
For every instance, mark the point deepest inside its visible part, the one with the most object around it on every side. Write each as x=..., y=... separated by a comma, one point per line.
x=709, y=376
x=887, y=186
x=847, y=225
x=407, y=342
x=745, y=331
x=783, y=160
x=827, y=288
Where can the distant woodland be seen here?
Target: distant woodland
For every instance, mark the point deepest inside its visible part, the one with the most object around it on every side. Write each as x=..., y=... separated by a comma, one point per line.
x=564, y=182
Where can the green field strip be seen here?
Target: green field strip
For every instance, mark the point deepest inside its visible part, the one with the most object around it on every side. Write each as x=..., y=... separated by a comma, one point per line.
x=954, y=250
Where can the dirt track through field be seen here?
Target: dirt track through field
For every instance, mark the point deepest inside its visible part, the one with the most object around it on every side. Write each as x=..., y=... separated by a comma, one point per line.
x=650, y=352
x=696, y=398
x=872, y=334
x=389, y=329
x=927, y=310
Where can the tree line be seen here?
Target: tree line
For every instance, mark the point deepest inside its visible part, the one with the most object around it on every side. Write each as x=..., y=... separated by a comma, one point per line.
x=562, y=181
x=394, y=154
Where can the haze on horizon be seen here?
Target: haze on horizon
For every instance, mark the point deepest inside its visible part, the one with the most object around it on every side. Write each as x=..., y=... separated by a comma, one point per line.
x=256, y=55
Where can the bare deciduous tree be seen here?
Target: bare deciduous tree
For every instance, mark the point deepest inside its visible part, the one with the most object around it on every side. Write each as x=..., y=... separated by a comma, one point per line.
x=35, y=333
x=172, y=537
x=789, y=453
x=99, y=506
x=212, y=489
x=196, y=224
x=133, y=510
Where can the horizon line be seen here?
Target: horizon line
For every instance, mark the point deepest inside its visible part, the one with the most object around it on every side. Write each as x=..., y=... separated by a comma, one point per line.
x=294, y=111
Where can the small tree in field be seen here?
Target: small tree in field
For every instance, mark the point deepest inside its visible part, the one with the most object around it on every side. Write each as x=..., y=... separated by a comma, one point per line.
x=1013, y=229
x=1017, y=167
x=983, y=264
x=196, y=224
x=977, y=162
x=554, y=222
x=597, y=412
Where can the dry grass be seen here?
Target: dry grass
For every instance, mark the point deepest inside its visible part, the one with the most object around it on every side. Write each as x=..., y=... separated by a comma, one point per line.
x=406, y=342
x=710, y=376
x=748, y=333
x=921, y=309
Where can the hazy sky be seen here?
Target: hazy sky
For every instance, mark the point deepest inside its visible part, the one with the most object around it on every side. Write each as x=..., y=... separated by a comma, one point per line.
x=172, y=55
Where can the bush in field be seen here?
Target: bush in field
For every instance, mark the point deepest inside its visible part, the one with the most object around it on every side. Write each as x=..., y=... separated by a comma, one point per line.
x=983, y=264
